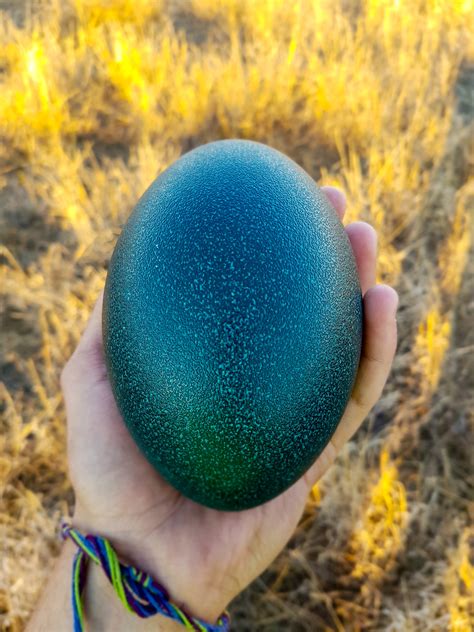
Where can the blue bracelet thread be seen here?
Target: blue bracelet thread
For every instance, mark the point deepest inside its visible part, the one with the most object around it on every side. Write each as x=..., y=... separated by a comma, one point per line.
x=137, y=590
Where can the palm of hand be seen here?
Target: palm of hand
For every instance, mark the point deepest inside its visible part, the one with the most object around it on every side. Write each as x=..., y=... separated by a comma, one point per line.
x=203, y=556
x=118, y=491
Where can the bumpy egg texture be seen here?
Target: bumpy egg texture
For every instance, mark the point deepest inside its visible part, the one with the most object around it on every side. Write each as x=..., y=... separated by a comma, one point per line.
x=232, y=323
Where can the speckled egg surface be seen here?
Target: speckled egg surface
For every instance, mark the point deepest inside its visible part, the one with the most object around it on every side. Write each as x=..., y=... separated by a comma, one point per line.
x=232, y=323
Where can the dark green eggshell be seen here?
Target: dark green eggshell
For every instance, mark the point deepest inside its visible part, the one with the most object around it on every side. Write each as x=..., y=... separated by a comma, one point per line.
x=232, y=323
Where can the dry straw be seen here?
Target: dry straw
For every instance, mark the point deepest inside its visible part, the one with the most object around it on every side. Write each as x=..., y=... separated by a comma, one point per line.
x=97, y=97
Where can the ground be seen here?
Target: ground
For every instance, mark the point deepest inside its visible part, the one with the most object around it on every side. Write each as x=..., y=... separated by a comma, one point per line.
x=374, y=96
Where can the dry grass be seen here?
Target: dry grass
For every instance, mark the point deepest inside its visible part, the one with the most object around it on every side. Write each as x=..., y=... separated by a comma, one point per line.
x=97, y=97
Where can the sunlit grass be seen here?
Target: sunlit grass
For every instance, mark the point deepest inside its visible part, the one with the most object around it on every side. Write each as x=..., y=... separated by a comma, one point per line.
x=431, y=345
x=136, y=12
x=380, y=535
x=454, y=252
x=460, y=585
x=98, y=96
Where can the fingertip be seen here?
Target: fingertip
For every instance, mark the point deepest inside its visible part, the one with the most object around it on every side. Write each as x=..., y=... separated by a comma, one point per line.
x=380, y=322
x=337, y=198
x=382, y=301
x=360, y=227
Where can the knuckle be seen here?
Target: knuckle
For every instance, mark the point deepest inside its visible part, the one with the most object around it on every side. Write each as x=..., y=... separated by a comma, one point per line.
x=362, y=401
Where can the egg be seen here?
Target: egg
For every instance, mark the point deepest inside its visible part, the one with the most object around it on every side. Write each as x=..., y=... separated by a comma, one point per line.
x=232, y=323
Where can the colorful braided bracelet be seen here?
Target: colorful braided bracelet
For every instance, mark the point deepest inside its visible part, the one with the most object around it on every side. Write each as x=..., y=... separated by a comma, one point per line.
x=137, y=590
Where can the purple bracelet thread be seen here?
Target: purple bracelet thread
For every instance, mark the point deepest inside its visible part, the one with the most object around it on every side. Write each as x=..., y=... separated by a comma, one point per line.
x=137, y=590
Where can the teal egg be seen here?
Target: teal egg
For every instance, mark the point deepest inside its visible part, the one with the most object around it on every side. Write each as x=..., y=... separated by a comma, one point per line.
x=232, y=323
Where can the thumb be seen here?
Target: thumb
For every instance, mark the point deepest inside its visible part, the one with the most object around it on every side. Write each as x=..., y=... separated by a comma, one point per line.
x=86, y=366
x=92, y=337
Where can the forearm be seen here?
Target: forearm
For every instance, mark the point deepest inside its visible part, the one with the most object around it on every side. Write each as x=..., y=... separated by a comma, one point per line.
x=103, y=611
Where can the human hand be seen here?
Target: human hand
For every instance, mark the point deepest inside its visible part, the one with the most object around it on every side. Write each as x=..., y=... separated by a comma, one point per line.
x=204, y=557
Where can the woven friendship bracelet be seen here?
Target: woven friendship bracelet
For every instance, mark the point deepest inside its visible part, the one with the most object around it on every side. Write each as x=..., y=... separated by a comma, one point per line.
x=137, y=590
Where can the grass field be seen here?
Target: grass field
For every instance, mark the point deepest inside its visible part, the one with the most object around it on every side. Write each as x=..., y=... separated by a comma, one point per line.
x=376, y=96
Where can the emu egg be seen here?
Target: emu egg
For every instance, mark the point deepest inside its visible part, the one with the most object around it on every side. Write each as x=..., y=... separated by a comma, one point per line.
x=232, y=323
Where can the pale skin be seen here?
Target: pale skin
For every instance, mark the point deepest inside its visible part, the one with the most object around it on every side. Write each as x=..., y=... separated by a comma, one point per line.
x=204, y=557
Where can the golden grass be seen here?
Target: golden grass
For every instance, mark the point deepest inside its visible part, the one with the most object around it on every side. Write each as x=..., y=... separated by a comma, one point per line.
x=379, y=537
x=431, y=345
x=94, y=12
x=460, y=585
x=98, y=96
x=454, y=252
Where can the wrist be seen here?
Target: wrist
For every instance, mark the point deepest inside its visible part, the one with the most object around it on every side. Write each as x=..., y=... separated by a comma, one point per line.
x=105, y=613
x=186, y=585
